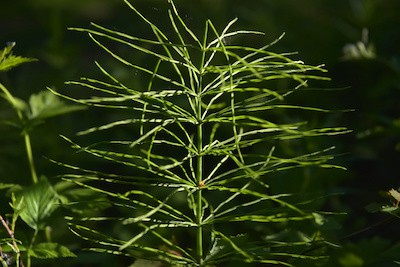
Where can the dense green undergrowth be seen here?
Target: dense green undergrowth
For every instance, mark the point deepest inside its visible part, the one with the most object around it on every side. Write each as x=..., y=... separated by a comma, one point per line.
x=197, y=156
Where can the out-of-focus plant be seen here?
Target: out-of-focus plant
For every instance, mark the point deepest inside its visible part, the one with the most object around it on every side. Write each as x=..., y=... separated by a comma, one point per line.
x=34, y=204
x=360, y=50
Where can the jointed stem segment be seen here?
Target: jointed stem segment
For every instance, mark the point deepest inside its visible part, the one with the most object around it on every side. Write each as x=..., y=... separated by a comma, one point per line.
x=199, y=179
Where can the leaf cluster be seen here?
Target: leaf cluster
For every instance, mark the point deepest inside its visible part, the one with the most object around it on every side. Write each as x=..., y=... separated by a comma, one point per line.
x=34, y=204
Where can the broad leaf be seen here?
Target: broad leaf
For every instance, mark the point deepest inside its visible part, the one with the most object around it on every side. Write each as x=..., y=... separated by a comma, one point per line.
x=39, y=201
x=45, y=105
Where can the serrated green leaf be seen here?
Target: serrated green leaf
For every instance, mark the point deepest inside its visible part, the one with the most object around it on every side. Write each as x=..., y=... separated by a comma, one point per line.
x=39, y=202
x=50, y=251
x=9, y=61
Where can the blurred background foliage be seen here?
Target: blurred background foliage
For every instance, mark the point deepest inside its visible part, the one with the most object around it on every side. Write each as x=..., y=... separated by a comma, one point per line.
x=358, y=40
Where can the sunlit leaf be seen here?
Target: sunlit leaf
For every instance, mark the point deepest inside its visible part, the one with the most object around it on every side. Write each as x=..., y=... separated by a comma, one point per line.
x=9, y=61
x=395, y=194
x=39, y=201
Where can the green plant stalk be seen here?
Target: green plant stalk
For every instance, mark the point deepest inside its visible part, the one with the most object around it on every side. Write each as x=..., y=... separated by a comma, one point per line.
x=28, y=260
x=199, y=212
x=15, y=216
x=27, y=139
x=199, y=237
x=48, y=234
x=199, y=234
x=29, y=154
x=209, y=106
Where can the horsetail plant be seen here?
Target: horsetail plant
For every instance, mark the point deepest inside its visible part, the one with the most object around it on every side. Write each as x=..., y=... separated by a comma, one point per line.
x=203, y=139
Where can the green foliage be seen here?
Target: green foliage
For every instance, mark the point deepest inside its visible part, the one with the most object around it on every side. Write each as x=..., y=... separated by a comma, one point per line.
x=203, y=140
x=9, y=61
x=39, y=201
x=42, y=105
x=319, y=29
x=34, y=203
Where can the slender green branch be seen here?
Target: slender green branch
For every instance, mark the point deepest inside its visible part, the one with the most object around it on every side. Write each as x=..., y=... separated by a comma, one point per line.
x=28, y=259
x=27, y=140
x=29, y=154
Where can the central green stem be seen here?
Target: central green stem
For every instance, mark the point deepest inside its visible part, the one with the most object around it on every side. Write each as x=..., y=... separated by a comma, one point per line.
x=199, y=178
x=29, y=154
x=27, y=139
